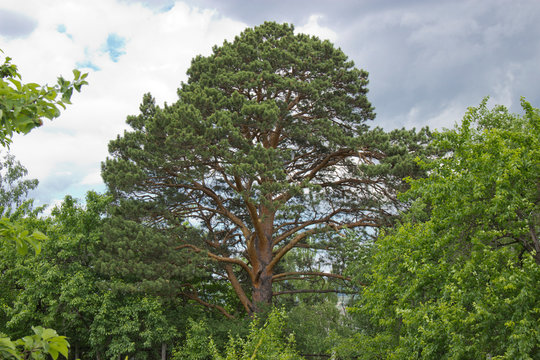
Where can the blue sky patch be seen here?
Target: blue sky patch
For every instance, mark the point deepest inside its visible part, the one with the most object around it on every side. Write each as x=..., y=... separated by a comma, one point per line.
x=87, y=64
x=167, y=8
x=115, y=46
x=62, y=30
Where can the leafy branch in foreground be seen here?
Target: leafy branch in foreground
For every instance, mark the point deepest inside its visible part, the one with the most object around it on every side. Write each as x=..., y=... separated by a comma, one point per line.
x=23, y=106
x=265, y=340
x=44, y=342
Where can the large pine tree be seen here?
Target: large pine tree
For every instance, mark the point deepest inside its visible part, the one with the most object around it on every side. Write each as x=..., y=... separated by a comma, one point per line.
x=266, y=150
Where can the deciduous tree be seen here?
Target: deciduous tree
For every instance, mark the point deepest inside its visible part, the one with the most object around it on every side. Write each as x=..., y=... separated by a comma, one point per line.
x=460, y=279
x=22, y=108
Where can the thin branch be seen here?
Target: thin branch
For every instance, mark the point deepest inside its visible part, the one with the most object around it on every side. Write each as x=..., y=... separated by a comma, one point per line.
x=285, y=276
x=314, y=291
x=221, y=309
x=285, y=249
x=222, y=259
x=219, y=202
x=294, y=230
x=327, y=161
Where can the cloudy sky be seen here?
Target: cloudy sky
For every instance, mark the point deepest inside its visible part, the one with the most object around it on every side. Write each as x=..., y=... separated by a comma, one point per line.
x=428, y=61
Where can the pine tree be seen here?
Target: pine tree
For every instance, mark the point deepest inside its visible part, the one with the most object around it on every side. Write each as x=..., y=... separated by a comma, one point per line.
x=266, y=150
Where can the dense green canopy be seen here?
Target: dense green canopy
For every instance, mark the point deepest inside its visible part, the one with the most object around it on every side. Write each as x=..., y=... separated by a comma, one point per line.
x=461, y=278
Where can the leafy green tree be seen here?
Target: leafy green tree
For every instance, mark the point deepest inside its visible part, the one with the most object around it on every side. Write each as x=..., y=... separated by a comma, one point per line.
x=460, y=279
x=23, y=106
x=64, y=288
x=266, y=150
x=59, y=288
x=15, y=226
x=14, y=205
x=319, y=327
x=130, y=325
x=14, y=188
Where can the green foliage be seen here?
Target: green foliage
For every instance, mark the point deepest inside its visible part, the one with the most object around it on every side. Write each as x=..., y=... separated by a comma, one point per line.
x=198, y=344
x=22, y=106
x=494, y=167
x=59, y=288
x=145, y=259
x=63, y=288
x=17, y=233
x=13, y=191
x=362, y=346
x=14, y=188
x=460, y=279
x=44, y=342
x=265, y=341
x=129, y=325
x=318, y=327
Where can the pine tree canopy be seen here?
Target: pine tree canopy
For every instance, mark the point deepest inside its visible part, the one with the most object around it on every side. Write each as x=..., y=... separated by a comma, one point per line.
x=266, y=150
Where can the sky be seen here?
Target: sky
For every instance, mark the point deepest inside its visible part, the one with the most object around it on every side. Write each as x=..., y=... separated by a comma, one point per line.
x=428, y=61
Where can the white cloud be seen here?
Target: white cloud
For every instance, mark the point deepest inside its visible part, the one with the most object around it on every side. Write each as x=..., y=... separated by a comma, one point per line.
x=49, y=208
x=156, y=53
x=447, y=117
x=312, y=27
x=92, y=179
x=503, y=89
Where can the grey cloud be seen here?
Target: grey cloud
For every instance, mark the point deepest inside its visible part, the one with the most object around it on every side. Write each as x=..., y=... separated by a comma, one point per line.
x=51, y=187
x=14, y=24
x=425, y=58
x=65, y=180
x=431, y=57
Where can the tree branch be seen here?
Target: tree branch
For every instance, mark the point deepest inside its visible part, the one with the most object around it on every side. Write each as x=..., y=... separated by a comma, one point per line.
x=285, y=249
x=222, y=259
x=194, y=296
x=248, y=306
x=279, y=277
x=314, y=291
x=294, y=230
x=235, y=219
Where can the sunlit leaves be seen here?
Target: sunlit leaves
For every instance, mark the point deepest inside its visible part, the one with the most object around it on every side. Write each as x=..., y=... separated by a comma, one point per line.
x=38, y=346
x=24, y=240
x=23, y=106
x=460, y=279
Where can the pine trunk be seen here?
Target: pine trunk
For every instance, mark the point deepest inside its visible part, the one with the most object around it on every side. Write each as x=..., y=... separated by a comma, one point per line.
x=262, y=286
x=262, y=291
